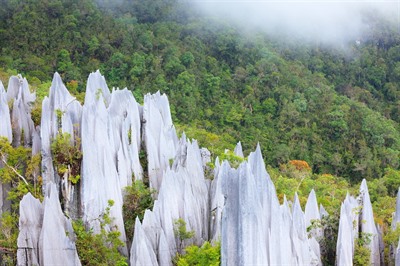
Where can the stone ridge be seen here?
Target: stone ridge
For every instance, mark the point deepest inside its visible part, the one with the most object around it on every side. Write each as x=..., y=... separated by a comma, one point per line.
x=238, y=207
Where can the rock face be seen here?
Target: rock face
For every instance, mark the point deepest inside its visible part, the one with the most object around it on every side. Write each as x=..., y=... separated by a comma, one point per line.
x=30, y=225
x=21, y=98
x=159, y=136
x=110, y=146
x=255, y=229
x=348, y=231
x=5, y=131
x=312, y=214
x=355, y=215
x=61, y=113
x=5, y=125
x=395, y=252
x=239, y=207
x=46, y=235
x=368, y=225
x=188, y=202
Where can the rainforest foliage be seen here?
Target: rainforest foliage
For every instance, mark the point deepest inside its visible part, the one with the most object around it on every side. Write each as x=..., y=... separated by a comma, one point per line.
x=337, y=109
x=325, y=117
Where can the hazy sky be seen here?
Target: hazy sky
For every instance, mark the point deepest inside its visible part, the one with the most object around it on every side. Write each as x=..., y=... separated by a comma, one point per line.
x=329, y=21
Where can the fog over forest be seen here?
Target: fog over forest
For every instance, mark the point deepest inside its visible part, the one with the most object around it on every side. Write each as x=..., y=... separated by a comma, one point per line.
x=325, y=21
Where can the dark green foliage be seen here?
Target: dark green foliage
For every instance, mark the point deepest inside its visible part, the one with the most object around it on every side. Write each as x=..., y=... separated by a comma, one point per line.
x=20, y=170
x=362, y=254
x=206, y=255
x=330, y=227
x=137, y=199
x=8, y=238
x=335, y=110
x=67, y=155
x=102, y=248
x=181, y=233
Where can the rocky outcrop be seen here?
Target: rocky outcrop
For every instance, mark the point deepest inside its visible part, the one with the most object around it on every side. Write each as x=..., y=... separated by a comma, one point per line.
x=238, y=207
x=395, y=251
x=356, y=217
x=45, y=234
x=312, y=216
x=21, y=99
x=188, y=202
x=61, y=114
x=255, y=227
x=159, y=136
x=368, y=225
x=30, y=225
x=5, y=125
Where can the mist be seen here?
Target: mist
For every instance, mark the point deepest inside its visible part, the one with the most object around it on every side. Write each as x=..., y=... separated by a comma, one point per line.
x=324, y=21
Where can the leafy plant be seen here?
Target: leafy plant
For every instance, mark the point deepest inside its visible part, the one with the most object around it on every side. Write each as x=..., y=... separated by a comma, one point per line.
x=232, y=158
x=20, y=170
x=8, y=237
x=362, y=253
x=330, y=226
x=137, y=199
x=206, y=255
x=67, y=156
x=181, y=233
x=102, y=248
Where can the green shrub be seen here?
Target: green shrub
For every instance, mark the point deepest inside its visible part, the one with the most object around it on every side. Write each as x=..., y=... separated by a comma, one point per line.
x=102, y=248
x=362, y=254
x=206, y=255
x=8, y=237
x=181, y=233
x=66, y=154
x=137, y=199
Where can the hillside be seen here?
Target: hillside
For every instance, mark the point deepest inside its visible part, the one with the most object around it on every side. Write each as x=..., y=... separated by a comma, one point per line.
x=325, y=118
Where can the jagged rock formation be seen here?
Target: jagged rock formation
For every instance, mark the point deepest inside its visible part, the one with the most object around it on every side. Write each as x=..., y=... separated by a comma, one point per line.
x=255, y=229
x=5, y=125
x=46, y=235
x=5, y=131
x=368, y=225
x=239, y=207
x=61, y=113
x=159, y=136
x=356, y=217
x=21, y=99
x=188, y=202
x=311, y=213
x=110, y=147
x=395, y=252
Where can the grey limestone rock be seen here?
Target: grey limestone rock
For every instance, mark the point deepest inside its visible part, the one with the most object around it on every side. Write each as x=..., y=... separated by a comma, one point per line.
x=45, y=234
x=19, y=95
x=125, y=129
x=311, y=213
x=142, y=252
x=368, y=225
x=56, y=244
x=255, y=229
x=100, y=179
x=61, y=113
x=397, y=260
x=159, y=136
x=30, y=225
x=188, y=201
x=355, y=212
x=396, y=217
x=238, y=150
x=395, y=252
x=5, y=125
x=322, y=211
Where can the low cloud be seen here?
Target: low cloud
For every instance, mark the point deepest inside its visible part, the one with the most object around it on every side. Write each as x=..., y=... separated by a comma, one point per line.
x=323, y=21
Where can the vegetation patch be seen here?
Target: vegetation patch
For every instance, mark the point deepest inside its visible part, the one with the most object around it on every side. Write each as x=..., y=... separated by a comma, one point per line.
x=102, y=248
